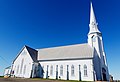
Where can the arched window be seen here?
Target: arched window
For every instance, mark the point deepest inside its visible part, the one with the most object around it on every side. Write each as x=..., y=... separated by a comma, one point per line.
x=61, y=70
x=72, y=70
x=85, y=70
x=17, y=69
x=21, y=66
x=24, y=69
x=14, y=70
x=51, y=70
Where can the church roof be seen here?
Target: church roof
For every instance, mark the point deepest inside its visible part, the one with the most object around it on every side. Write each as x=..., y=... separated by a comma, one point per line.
x=8, y=67
x=32, y=52
x=66, y=52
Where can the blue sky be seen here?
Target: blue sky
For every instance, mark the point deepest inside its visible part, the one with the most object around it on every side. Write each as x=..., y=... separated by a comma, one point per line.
x=50, y=23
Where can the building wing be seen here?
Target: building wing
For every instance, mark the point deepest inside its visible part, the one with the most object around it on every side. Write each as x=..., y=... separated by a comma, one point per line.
x=32, y=52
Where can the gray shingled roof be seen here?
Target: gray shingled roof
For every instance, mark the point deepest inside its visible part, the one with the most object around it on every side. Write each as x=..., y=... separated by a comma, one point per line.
x=66, y=52
x=8, y=67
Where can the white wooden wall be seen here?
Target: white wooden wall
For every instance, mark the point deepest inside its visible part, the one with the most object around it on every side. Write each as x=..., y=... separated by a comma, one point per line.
x=75, y=63
x=26, y=67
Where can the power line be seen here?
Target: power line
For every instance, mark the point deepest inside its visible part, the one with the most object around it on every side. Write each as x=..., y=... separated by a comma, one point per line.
x=4, y=59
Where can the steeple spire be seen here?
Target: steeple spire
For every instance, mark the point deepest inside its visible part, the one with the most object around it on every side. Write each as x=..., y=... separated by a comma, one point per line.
x=92, y=15
x=93, y=24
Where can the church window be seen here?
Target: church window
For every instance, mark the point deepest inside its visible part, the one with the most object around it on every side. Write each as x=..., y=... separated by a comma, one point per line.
x=61, y=70
x=21, y=66
x=72, y=70
x=51, y=70
x=24, y=69
x=85, y=70
x=104, y=59
x=17, y=69
x=57, y=69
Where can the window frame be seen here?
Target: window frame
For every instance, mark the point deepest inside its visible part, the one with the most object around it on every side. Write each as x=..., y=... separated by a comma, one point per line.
x=61, y=70
x=85, y=70
x=21, y=68
x=24, y=71
x=17, y=69
x=72, y=70
x=51, y=70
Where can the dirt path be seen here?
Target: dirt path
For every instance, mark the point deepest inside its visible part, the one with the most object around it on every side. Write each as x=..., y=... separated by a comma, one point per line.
x=25, y=80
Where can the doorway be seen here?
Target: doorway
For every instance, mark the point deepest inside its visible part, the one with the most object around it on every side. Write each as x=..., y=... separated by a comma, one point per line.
x=104, y=74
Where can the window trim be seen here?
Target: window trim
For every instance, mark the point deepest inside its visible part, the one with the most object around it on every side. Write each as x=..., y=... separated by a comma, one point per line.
x=24, y=71
x=51, y=70
x=17, y=69
x=61, y=70
x=21, y=68
x=72, y=70
x=85, y=70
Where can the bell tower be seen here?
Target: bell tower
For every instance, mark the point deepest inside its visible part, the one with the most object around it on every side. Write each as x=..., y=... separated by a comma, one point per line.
x=95, y=41
x=95, y=36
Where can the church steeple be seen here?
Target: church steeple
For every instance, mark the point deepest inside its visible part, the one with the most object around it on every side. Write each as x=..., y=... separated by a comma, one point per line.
x=93, y=24
x=95, y=41
x=95, y=37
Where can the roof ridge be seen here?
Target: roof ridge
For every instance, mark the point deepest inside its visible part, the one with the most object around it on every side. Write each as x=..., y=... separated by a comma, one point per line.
x=66, y=52
x=62, y=46
x=30, y=48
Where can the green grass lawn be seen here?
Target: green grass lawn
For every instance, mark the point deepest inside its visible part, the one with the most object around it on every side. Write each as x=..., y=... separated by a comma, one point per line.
x=58, y=80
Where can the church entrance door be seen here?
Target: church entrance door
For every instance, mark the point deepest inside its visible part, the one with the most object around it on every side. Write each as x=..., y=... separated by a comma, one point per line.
x=104, y=74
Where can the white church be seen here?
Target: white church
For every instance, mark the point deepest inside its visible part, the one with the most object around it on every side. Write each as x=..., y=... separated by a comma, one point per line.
x=82, y=62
